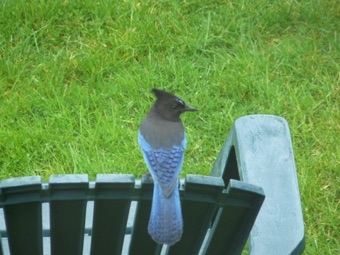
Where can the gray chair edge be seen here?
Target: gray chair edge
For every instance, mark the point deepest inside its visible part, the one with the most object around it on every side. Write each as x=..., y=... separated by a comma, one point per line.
x=258, y=150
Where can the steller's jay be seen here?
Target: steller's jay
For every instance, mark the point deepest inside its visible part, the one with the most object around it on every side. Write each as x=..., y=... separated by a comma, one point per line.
x=162, y=140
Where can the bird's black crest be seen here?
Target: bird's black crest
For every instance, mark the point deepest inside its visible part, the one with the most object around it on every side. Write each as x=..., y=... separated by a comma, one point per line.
x=161, y=93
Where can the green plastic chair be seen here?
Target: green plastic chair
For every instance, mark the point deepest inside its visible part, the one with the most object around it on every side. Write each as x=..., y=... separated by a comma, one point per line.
x=71, y=214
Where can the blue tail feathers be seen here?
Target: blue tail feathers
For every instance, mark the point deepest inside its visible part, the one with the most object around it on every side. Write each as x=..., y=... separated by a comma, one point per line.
x=166, y=222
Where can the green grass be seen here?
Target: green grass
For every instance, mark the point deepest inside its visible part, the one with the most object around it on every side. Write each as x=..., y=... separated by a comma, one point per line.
x=75, y=78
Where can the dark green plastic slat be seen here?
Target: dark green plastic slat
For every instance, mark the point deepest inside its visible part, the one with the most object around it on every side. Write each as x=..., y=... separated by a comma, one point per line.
x=111, y=209
x=141, y=242
x=23, y=214
x=198, y=207
x=23, y=222
x=233, y=223
x=67, y=213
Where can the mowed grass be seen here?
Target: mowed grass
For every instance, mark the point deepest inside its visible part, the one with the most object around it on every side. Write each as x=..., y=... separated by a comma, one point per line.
x=75, y=81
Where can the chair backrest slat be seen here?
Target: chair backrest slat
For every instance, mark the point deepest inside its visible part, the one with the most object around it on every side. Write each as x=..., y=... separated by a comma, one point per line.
x=67, y=213
x=110, y=215
x=22, y=212
x=235, y=219
x=199, y=196
x=140, y=239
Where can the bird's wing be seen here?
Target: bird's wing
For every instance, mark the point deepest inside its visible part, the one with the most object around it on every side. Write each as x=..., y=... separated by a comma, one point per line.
x=164, y=164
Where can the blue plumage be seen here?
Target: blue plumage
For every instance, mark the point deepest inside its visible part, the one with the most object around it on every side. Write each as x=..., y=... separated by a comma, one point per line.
x=166, y=224
x=162, y=140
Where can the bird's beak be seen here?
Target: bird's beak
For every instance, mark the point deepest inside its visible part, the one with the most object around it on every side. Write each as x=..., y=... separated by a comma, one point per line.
x=189, y=108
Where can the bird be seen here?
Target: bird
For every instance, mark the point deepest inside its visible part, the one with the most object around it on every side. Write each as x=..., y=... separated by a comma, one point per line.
x=162, y=140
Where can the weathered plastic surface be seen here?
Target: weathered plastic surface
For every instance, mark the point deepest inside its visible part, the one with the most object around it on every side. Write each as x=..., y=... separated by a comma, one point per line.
x=64, y=202
x=67, y=213
x=111, y=210
x=140, y=239
x=259, y=151
x=23, y=214
x=234, y=220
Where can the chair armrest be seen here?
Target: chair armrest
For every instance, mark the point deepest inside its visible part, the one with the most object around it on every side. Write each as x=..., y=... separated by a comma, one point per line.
x=258, y=150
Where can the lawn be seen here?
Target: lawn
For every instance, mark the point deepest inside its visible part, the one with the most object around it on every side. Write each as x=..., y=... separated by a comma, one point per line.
x=75, y=81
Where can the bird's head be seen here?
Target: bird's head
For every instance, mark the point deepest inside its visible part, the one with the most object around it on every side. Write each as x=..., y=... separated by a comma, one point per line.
x=170, y=106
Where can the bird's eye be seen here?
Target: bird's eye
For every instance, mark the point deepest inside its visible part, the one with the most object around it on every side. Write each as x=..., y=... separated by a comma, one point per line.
x=179, y=103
